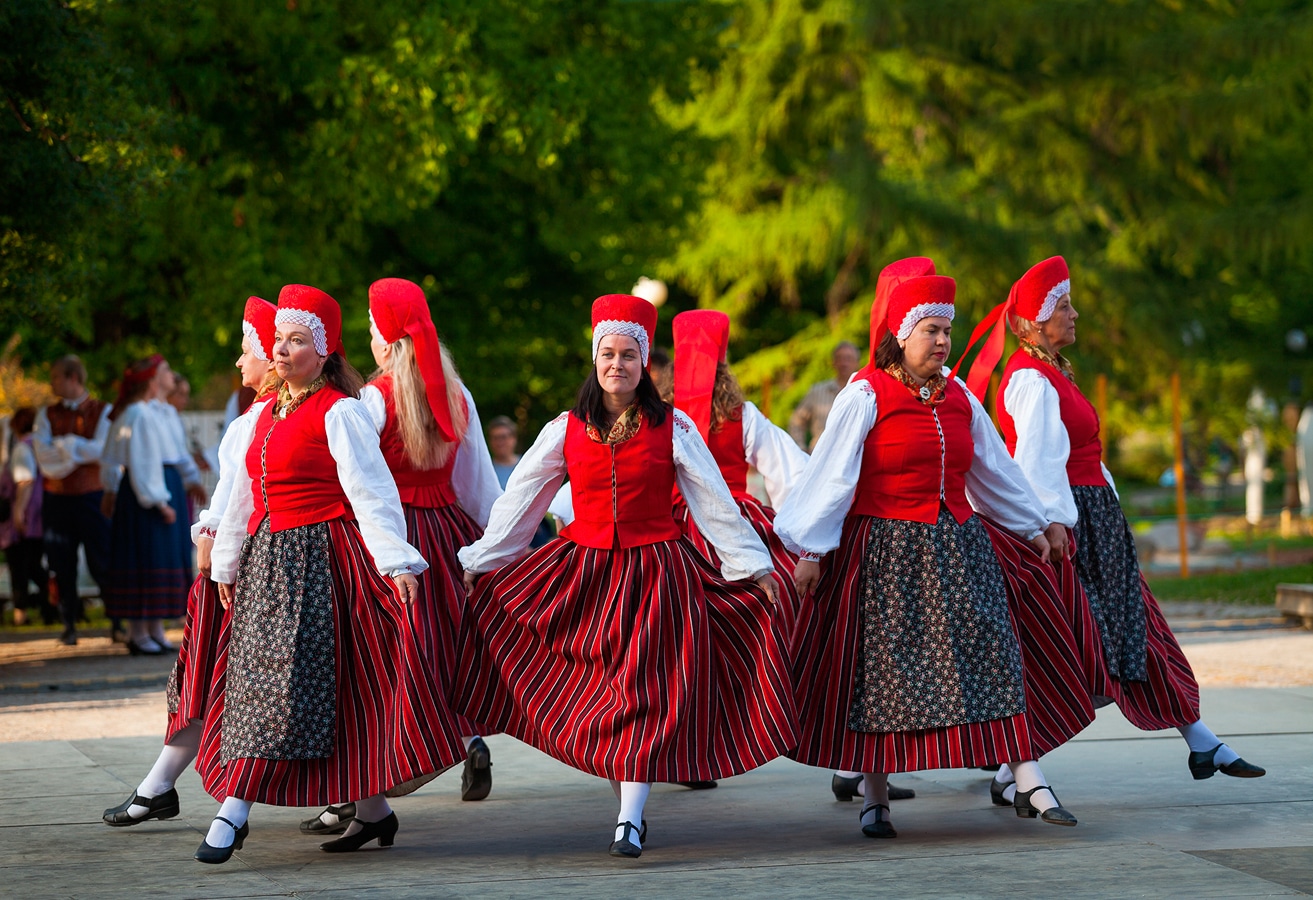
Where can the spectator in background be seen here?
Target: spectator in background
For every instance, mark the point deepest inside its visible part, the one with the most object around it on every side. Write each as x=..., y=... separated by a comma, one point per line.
x=68, y=438
x=21, y=535
x=503, y=438
x=808, y=419
x=180, y=396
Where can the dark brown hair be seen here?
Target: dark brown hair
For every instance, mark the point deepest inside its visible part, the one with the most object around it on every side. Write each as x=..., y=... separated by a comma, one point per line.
x=888, y=352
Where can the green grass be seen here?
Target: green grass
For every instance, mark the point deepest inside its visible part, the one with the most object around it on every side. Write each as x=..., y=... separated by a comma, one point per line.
x=1252, y=587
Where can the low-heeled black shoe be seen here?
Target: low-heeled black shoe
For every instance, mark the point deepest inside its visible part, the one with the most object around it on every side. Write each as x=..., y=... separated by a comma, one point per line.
x=345, y=813
x=476, y=778
x=1202, y=766
x=384, y=829
x=900, y=793
x=1054, y=815
x=215, y=855
x=135, y=649
x=161, y=806
x=845, y=789
x=697, y=785
x=996, y=792
x=881, y=827
x=624, y=847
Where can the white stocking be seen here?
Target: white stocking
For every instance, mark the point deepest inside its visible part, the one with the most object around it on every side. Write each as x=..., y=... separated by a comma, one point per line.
x=1030, y=776
x=633, y=795
x=235, y=811
x=173, y=761
x=1201, y=739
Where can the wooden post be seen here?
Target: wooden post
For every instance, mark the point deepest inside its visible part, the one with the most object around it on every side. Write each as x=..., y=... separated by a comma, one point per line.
x=1101, y=399
x=1179, y=470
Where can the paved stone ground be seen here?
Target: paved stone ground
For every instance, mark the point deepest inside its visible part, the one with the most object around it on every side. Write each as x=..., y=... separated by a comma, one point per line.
x=1146, y=829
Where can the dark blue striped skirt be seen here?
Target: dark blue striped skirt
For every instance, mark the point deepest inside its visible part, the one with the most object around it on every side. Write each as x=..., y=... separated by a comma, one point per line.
x=150, y=564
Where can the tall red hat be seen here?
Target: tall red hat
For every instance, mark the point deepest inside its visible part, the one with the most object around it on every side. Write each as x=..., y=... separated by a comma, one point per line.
x=914, y=299
x=891, y=276
x=701, y=343
x=258, y=326
x=301, y=304
x=628, y=315
x=397, y=308
x=1034, y=296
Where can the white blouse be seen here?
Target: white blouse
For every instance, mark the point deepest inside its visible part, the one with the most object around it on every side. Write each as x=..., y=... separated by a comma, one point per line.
x=365, y=480
x=542, y=470
x=473, y=478
x=1042, y=443
x=811, y=520
x=174, y=446
x=232, y=462
x=771, y=451
x=134, y=444
x=59, y=455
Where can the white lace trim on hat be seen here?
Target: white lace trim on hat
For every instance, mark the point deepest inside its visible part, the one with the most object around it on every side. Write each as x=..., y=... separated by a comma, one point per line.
x=1056, y=293
x=617, y=326
x=309, y=320
x=253, y=336
x=923, y=311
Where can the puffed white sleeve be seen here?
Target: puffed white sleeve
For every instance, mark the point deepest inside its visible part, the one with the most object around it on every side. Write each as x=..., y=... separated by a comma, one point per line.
x=237, y=512
x=88, y=450
x=181, y=447
x=562, y=505
x=377, y=408
x=369, y=487
x=772, y=452
x=995, y=484
x=472, y=476
x=52, y=454
x=516, y=514
x=143, y=457
x=232, y=465
x=810, y=521
x=1043, y=445
x=713, y=508
x=111, y=461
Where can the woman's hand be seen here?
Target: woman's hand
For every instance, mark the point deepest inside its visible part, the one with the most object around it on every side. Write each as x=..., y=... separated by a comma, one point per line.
x=225, y=595
x=806, y=575
x=197, y=493
x=407, y=586
x=107, y=504
x=767, y=584
x=203, y=547
x=1041, y=545
x=469, y=582
x=167, y=514
x=1056, y=534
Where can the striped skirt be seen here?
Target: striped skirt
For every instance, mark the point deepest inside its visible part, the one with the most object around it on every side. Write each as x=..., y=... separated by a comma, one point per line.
x=150, y=562
x=188, y=690
x=387, y=723
x=762, y=520
x=1106, y=566
x=638, y=665
x=825, y=650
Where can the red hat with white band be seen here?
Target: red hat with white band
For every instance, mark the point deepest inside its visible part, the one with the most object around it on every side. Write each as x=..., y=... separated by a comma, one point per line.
x=1035, y=296
x=701, y=343
x=397, y=308
x=914, y=299
x=258, y=326
x=628, y=315
x=301, y=304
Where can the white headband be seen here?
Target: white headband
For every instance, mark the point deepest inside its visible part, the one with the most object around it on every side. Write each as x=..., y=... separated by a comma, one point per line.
x=1056, y=293
x=253, y=336
x=307, y=319
x=617, y=326
x=923, y=311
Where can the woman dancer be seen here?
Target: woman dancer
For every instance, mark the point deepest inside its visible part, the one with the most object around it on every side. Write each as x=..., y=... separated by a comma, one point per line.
x=433, y=444
x=189, y=684
x=1053, y=432
x=674, y=673
x=322, y=692
x=905, y=655
x=150, y=548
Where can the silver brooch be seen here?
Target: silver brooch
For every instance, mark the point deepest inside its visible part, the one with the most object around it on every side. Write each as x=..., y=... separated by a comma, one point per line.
x=925, y=392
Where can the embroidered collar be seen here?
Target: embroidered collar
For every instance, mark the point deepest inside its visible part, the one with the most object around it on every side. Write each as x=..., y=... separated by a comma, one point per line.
x=626, y=426
x=286, y=404
x=932, y=393
x=1057, y=360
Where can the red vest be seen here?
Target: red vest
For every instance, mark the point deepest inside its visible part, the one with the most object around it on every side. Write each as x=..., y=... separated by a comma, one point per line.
x=82, y=422
x=294, y=477
x=427, y=488
x=1078, y=415
x=905, y=465
x=727, y=447
x=621, y=492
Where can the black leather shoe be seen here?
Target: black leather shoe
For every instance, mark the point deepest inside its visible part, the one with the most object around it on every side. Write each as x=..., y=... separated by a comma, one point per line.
x=881, y=827
x=1202, y=766
x=162, y=806
x=624, y=847
x=215, y=855
x=697, y=785
x=996, y=792
x=345, y=813
x=1054, y=815
x=135, y=649
x=900, y=793
x=476, y=779
x=384, y=829
x=69, y=638
x=845, y=789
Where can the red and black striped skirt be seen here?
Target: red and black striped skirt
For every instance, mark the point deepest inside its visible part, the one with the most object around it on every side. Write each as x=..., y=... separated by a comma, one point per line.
x=640, y=664
x=391, y=726
x=188, y=690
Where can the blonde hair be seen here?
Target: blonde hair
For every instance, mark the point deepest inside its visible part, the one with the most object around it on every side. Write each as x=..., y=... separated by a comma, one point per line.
x=419, y=430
